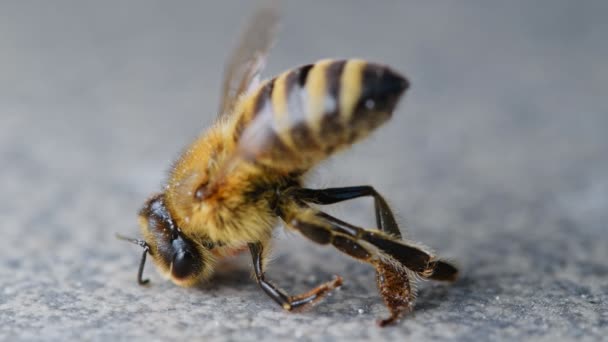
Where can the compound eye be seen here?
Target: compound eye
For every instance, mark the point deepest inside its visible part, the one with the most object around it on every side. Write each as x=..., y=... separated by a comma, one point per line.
x=184, y=264
x=187, y=261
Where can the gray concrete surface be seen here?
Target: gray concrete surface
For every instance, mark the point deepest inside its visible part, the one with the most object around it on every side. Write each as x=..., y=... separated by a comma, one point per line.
x=497, y=158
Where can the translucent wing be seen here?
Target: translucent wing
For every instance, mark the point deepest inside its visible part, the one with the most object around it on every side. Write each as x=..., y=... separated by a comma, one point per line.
x=247, y=59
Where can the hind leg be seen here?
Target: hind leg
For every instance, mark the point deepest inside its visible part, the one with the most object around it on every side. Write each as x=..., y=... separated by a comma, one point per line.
x=393, y=282
x=395, y=289
x=385, y=219
x=384, y=215
x=389, y=256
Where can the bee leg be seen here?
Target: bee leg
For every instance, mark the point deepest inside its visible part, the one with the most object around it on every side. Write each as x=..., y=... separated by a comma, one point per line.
x=442, y=271
x=396, y=290
x=325, y=229
x=413, y=257
x=392, y=258
x=392, y=280
x=288, y=303
x=384, y=216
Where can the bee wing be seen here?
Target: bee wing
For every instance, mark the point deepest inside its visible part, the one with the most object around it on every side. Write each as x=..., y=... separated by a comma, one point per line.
x=247, y=59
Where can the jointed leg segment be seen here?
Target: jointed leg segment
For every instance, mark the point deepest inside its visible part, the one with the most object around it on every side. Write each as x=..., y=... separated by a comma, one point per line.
x=384, y=216
x=414, y=258
x=326, y=229
x=392, y=258
x=287, y=302
x=396, y=291
x=392, y=280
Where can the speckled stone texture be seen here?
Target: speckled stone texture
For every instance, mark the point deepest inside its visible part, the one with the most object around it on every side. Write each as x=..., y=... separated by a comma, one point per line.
x=497, y=158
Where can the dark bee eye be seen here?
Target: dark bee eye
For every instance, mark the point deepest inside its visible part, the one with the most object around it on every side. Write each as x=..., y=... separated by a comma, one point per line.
x=184, y=264
x=170, y=248
x=186, y=259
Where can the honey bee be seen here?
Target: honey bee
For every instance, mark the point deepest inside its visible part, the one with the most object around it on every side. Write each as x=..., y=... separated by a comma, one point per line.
x=236, y=182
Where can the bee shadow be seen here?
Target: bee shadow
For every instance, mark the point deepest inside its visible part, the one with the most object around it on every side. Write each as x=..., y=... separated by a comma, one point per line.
x=234, y=274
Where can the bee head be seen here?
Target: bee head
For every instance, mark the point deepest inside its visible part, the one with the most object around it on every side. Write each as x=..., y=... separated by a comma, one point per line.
x=175, y=254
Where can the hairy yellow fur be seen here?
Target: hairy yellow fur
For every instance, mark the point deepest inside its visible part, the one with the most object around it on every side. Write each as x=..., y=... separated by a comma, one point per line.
x=229, y=216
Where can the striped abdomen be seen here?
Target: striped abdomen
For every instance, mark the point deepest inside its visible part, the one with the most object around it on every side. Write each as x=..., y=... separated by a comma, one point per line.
x=300, y=117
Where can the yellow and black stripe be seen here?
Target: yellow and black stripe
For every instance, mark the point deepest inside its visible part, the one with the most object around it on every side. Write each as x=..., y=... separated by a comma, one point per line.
x=318, y=108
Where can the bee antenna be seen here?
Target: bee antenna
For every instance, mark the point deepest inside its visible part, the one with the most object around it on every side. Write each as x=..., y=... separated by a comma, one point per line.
x=146, y=248
x=135, y=241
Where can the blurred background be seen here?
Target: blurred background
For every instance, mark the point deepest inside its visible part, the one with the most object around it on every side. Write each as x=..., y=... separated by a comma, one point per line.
x=497, y=158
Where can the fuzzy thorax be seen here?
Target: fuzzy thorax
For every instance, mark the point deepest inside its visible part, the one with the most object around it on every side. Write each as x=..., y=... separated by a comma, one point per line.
x=210, y=202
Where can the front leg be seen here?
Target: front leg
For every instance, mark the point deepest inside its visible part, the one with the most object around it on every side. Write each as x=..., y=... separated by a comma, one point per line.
x=288, y=303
